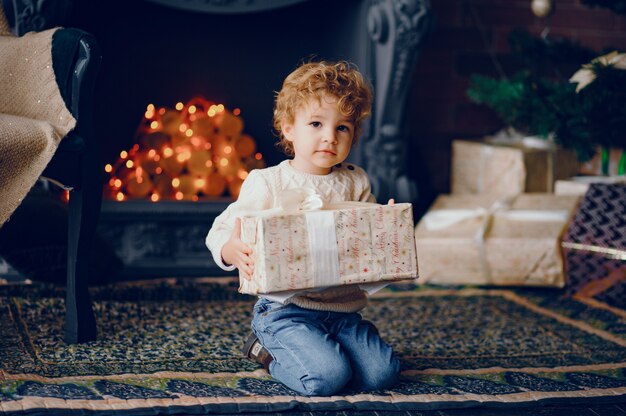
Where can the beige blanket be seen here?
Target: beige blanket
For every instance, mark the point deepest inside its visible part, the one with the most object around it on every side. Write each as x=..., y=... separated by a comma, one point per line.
x=33, y=116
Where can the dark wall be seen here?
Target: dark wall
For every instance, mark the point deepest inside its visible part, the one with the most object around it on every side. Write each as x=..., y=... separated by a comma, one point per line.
x=468, y=36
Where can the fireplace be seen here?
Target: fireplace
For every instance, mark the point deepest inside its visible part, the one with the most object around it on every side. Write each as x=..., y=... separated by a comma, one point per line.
x=235, y=52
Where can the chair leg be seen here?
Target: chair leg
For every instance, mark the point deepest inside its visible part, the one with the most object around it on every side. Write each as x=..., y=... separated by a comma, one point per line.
x=84, y=208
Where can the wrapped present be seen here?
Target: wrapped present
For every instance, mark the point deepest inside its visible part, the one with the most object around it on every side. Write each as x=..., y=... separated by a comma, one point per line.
x=509, y=166
x=342, y=244
x=578, y=185
x=487, y=240
x=595, y=246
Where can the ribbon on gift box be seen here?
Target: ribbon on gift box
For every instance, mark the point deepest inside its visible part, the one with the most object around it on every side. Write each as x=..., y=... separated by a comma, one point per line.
x=320, y=223
x=444, y=218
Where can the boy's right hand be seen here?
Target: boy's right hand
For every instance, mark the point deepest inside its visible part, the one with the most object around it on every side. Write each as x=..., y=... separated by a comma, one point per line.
x=238, y=253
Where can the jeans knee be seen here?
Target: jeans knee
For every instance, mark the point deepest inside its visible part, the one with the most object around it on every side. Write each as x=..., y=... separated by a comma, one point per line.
x=328, y=381
x=382, y=376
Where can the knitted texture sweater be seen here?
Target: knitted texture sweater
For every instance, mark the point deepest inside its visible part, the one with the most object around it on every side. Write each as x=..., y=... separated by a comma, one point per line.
x=33, y=116
x=261, y=190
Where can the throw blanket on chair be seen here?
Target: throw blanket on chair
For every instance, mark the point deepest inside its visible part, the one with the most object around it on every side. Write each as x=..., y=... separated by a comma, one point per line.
x=33, y=116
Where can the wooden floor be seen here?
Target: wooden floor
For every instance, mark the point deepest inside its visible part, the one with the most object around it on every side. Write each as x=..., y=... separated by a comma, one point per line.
x=574, y=410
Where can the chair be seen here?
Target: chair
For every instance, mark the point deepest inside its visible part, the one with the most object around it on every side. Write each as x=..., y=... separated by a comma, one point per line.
x=75, y=165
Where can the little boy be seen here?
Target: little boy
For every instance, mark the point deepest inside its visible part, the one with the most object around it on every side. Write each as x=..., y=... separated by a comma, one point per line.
x=314, y=342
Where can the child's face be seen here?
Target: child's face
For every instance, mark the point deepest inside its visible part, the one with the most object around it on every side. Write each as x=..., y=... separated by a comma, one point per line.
x=321, y=136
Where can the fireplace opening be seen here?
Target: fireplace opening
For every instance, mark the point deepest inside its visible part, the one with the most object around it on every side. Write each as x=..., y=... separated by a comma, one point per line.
x=158, y=54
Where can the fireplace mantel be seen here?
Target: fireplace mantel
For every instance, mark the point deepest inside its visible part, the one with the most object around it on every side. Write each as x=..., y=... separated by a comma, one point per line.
x=388, y=40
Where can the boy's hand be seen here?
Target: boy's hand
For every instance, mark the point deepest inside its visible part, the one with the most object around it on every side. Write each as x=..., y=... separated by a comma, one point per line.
x=391, y=202
x=237, y=253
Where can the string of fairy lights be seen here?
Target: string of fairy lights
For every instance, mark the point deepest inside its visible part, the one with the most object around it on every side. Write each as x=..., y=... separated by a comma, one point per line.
x=194, y=151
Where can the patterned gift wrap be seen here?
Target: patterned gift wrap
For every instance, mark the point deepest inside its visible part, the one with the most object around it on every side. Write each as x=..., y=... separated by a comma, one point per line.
x=508, y=169
x=488, y=240
x=595, y=246
x=303, y=250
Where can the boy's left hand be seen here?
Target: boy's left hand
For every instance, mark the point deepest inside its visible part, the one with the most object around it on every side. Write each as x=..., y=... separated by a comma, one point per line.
x=391, y=202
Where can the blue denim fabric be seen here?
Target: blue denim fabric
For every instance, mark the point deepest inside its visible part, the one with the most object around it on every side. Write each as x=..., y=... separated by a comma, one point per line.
x=317, y=353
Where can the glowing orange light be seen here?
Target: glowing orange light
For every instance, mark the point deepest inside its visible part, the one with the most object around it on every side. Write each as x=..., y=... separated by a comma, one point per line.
x=135, y=148
x=199, y=183
x=192, y=109
x=66, y=195
x=196, y=141
x=242, y=174
x=117, y=183
x=207, y=146
x=224, y=161
x=194, y=198
x=182, y=127
x=112, y=182
x=180, y=157
x=154, y=125
x=208, y=164
x=157, y=158
x=179, y=195
x=158, y=170
x=139, y=179
x=228, y=149
x=151, y=153
x=129, y=164
x=179, y=106
x=108, y=168
x=220, y=108
x=211, y=112
x=162, y=110
x=167, y=152
x=150, y=107
x=120, y=196
x=123, y=154
x=192, y=117
x=236, y=111
x=189, y=133
x=258, y=156
x=175, y=182
x=154, y=197
x=149, y=114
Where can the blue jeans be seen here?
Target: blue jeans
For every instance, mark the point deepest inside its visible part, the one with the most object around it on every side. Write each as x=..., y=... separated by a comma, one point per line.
x=318, y=353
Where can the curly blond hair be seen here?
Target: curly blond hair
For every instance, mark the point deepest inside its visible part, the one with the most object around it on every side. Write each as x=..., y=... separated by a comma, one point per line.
x=316, y=79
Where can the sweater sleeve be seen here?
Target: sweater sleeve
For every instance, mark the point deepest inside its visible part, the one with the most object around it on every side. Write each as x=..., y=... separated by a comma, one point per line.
x=254, y=196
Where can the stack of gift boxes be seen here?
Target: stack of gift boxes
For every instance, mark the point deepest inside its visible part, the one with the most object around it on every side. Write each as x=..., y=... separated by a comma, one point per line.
x=503, y=223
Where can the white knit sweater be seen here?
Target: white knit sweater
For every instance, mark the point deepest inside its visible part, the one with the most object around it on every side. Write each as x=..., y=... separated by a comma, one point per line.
x=261, y=190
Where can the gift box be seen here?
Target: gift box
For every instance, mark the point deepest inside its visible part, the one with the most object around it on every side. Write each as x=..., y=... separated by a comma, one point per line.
x=595, y=246
x=488, y=240
x=509, y=167
x=345, y=244
x=578, y=185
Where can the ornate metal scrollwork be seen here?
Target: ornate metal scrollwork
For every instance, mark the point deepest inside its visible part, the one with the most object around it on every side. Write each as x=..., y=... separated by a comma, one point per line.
x=396, y=28
x=38, y=15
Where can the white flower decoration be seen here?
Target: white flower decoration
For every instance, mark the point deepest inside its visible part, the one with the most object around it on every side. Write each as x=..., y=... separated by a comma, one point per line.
x=586, y=76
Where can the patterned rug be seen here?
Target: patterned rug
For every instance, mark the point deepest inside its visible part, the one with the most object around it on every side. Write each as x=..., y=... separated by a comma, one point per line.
x=172, y=347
